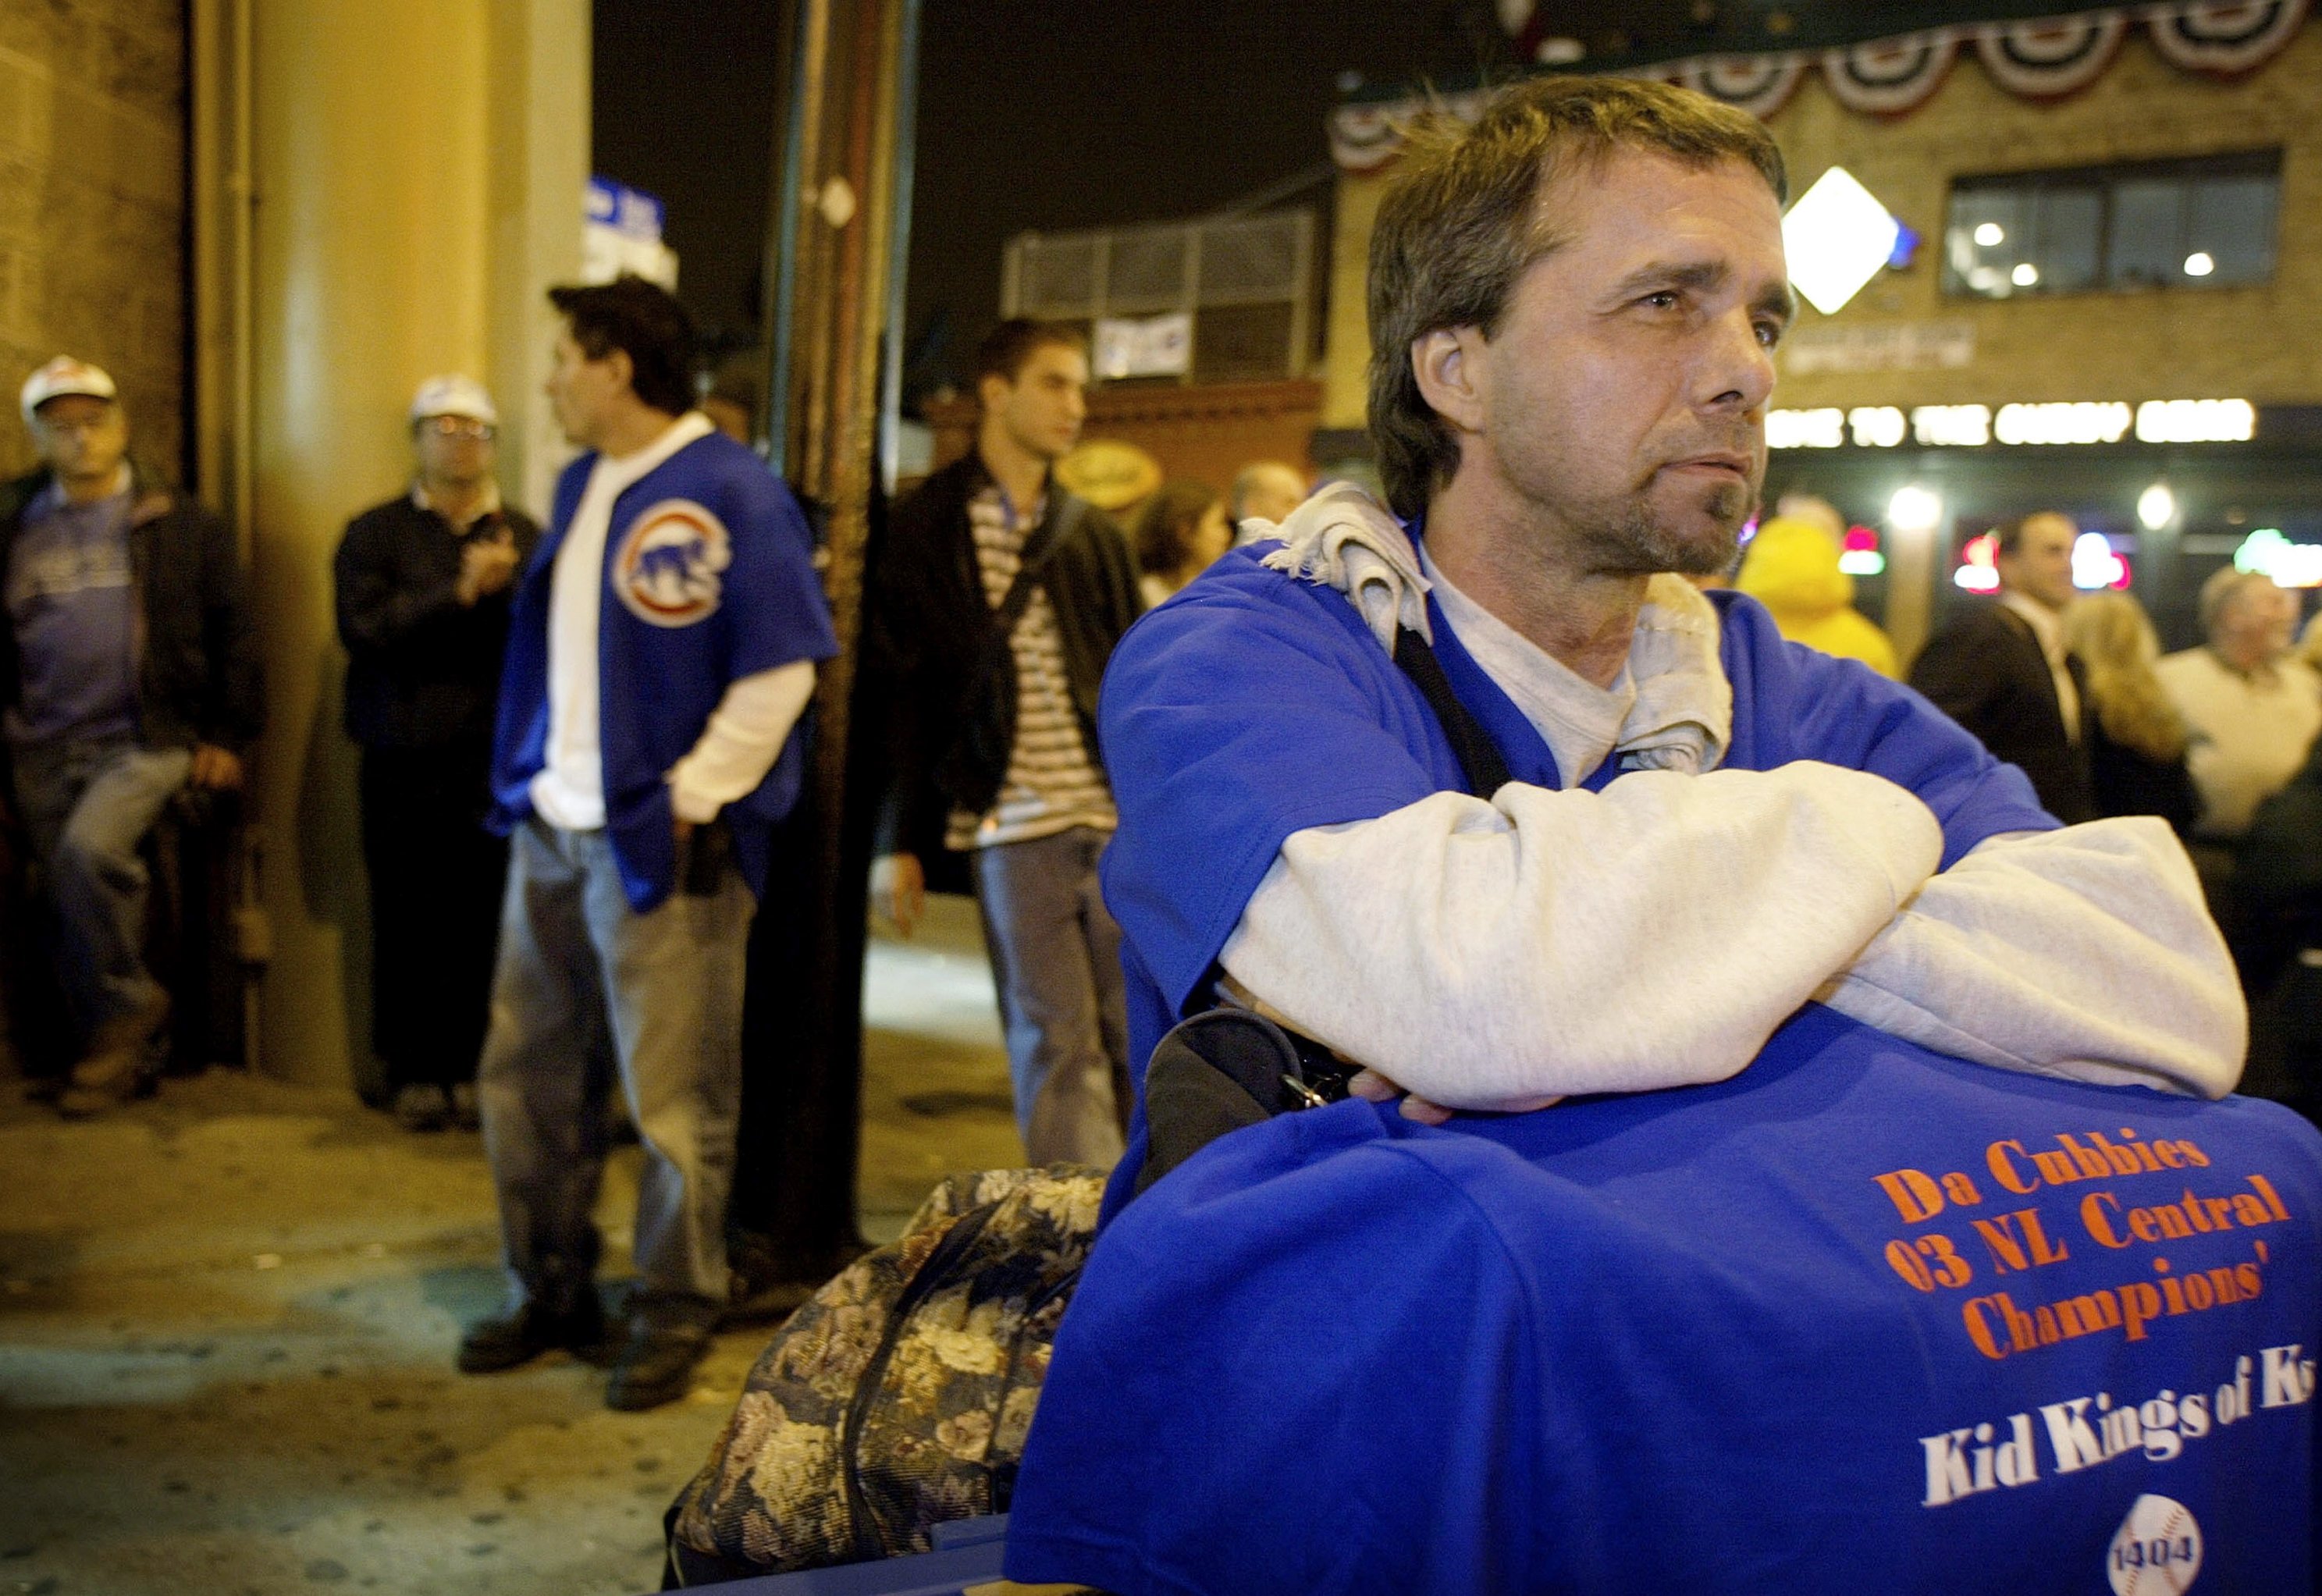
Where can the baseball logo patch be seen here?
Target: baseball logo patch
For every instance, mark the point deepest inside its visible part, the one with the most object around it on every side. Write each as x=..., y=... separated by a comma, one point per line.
x=667, y=568
x=2156, y=1551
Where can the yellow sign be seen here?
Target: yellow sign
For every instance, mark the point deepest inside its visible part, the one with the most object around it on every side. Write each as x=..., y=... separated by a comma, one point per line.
x=1110, y=474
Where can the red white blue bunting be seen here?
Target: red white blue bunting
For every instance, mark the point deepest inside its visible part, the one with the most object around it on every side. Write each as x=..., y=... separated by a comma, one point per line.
x=1889, y=76
x=2044, y=58
x=1365, y=138
x=2047, y=60
x=2224, y=40
x=1760, y=85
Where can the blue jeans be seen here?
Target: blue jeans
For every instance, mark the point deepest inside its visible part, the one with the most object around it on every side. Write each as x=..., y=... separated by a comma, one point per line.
x=1055, y=960
x=587, y=989
x=86, y=806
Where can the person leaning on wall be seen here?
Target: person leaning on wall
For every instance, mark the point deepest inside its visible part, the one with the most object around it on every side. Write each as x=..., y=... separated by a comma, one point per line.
x=129, y=674
x=424, y=582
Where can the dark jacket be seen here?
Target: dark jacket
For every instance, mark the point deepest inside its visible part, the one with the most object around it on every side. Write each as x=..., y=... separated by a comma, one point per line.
x=1985, y=670
x=423, y=668
x=200, y=677
x=935, y=639
x=2127, y=782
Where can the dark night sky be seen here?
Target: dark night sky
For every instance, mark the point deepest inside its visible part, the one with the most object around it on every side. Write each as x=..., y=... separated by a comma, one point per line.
x=1044, y=115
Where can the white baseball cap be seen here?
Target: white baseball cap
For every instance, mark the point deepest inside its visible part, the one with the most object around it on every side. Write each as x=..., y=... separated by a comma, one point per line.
x=454, y=395
x=62, y=376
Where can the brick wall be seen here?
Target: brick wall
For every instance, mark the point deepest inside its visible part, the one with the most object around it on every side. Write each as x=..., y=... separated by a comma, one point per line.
x=2263, y=342
x=92, y=206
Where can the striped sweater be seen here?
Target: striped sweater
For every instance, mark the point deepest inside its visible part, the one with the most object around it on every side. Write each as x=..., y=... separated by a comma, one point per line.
x=1052, y=784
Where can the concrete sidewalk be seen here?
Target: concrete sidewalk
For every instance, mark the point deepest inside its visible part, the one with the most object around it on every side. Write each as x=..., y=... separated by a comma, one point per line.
x=227, y=1316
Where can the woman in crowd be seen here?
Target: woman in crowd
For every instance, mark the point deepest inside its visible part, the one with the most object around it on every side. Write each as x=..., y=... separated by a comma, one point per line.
x=1180, y=533
x=2136, y=737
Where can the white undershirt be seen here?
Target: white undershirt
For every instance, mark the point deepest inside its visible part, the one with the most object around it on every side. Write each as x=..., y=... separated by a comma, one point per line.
x=1580, y=721
x=569, y=792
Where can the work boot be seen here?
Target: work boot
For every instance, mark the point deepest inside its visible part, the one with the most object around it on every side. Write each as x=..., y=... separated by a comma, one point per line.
x=422, y=1107
x=656, y=1366
x=510, y=1340
x=117, y=1065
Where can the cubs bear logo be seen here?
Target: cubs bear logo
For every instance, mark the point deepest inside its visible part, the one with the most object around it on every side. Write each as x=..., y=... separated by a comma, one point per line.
x=666, y=570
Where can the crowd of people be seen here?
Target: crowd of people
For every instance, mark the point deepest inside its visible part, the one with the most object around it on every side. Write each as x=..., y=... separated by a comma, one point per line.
x=1463, y=823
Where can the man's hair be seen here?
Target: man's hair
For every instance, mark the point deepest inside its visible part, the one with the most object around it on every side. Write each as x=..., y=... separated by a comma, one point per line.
x=646, y=322
x=1252, y=476
x=1164, y=527
x=1460, y=224
x=2223, y=587
x=2007, y=537
x=1006, y=348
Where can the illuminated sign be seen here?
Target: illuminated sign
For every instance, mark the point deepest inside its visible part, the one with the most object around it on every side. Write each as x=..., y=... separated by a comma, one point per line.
x=1979, y=570
x=1861, y=556
x=1971, y=427
x=1805, y=429
x=2290, y=565
x=2196, y=421
x=2060, y=423
x=2096, y=565
x=1838, y=237
x=1954, y=426
x=1876, y=427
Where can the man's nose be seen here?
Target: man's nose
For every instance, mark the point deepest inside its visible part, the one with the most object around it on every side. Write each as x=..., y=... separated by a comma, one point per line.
x=1739, y=371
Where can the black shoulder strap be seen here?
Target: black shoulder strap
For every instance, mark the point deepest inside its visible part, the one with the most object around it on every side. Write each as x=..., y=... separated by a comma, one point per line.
x=1054, y=528
x=1478, y=755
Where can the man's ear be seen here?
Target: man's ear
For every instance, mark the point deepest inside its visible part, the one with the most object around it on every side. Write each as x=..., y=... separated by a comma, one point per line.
x=992, y=390
x=1446, y=363
x=623, y=370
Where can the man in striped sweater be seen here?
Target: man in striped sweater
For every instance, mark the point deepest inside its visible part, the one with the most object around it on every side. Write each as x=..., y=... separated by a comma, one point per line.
x=998, y=601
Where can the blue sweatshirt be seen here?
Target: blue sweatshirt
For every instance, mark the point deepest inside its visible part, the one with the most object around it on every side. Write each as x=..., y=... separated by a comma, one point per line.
x=1253, y=706
x=1861, y=1318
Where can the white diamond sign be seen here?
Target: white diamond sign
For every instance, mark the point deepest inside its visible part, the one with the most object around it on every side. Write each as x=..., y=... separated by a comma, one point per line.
x=1838, y=237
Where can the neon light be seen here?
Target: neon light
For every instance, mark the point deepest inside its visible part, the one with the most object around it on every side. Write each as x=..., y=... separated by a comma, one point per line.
x=1859, y=555
x=1977, y=573
x=2196, y=421
x=1954, y=426
x=2060, y=423
x=1876, y=427
x=1805, y=429
x=2095, y=565
x=2290, y=565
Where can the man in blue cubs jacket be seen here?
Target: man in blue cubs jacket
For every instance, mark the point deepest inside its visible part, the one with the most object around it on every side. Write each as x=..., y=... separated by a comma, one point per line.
x=1698, y=828
x=660, y=657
